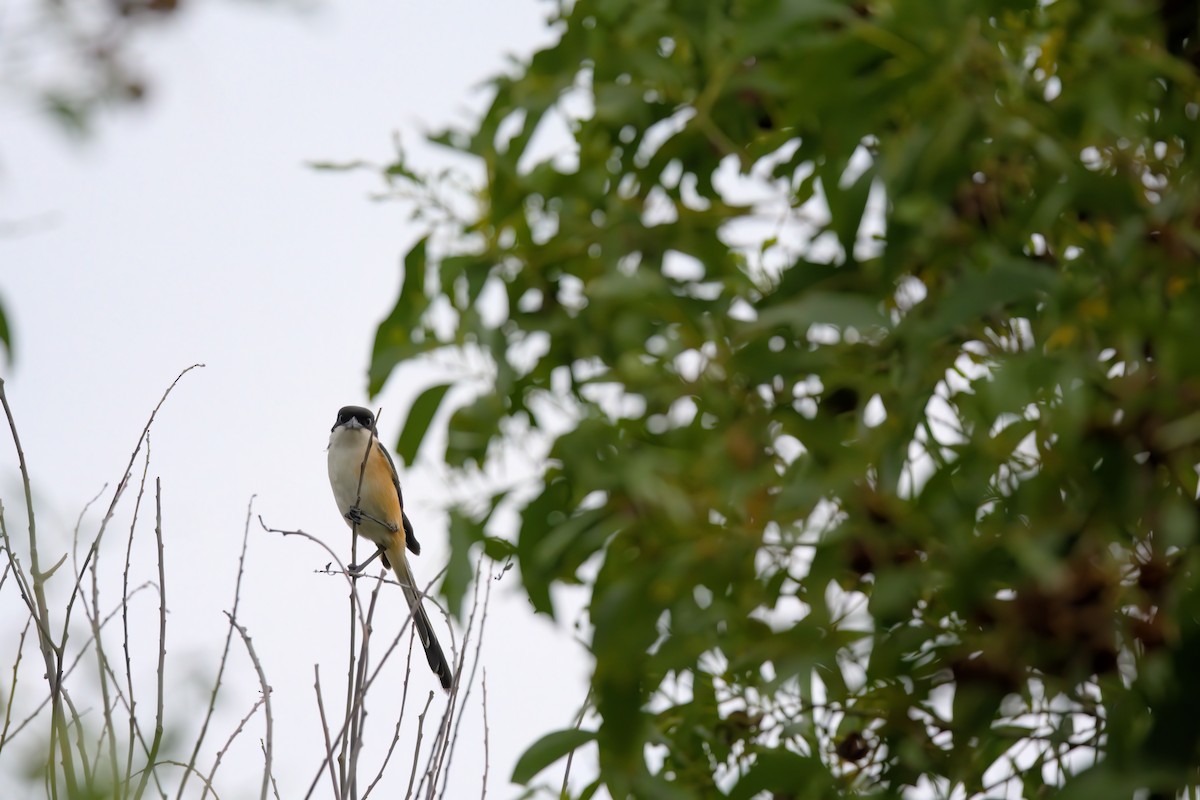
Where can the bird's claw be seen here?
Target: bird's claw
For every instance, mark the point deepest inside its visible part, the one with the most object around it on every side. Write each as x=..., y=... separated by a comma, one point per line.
x=355, y=570
x=356, y=516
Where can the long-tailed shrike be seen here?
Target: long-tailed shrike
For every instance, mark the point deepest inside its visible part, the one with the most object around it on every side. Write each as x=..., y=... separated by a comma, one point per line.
x=370, y=500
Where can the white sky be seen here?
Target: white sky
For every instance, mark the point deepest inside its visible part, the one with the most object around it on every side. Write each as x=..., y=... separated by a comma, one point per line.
x=192, y=232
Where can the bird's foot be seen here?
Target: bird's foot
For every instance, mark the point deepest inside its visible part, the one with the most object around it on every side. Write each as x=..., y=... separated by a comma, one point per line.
x=356, y=516
x=356, y=570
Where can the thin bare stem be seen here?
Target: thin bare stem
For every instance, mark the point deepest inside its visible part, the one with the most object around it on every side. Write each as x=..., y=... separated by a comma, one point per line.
x=162, y=641
x=187, y=768
x=344, y=757
x=587, y=701
x=4, y=575
x=56, y=685
x=137, y=505
x=120, y=490
x=342, y=568
x=212, y=698
x=412, y=775
x=274, y=785
x=51, y=653
x=75, y=663
x=370, y=680
x=80, y=744
x=14, y=561
x=333, y=777
x=486, y=734
x=358, y=713
x=266, y=690
x=12, y=689
x=229, y=743
x=412, y=632
x=482, y=609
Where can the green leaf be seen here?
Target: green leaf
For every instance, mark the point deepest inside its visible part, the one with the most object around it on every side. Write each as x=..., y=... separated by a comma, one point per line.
x=547, y=750
x=784, y=772
x=416, y=424
x=394, y=339
x=538, y=520
x=6, y=336
x=337, y=166
x=466, y=530
x=995, y=446
x=590, y=790
x=846, y=208
x=458, y=568
x=979, y=292
x=842, y=309
x=472, y=428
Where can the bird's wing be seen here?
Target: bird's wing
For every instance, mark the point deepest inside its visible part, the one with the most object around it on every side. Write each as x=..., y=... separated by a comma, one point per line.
x=410, y=539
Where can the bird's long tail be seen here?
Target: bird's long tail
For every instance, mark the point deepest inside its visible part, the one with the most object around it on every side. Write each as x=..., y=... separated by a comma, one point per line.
x=433, y=650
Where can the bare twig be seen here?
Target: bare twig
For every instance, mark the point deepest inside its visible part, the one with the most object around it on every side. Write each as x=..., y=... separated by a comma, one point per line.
x=266, y=690
x=212, y=699
x=274, y=785
x=486, y=732
x=4, y=575
x=366, y=687
x=14, y=562
x=190, y=768
x=357, y=715
x=56, y=685
x=12, y=689
x=417, y=750
x=80, y=745
x=162, y=642
x=51, y=652
x=347, y=755
x=137, y=505
x=75, y=663
x=412, y=632
x=337, y=789
x=587, y=701
x=448, y=752
x=229, y=743
x=374, y=674
x=342, y=570
x=120, y=490
x=105, y=671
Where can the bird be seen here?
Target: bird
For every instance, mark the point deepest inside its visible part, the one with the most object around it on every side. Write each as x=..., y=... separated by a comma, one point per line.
x=367, y=490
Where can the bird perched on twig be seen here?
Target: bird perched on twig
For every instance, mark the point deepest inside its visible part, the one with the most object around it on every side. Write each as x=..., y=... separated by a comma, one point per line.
x=367, y=490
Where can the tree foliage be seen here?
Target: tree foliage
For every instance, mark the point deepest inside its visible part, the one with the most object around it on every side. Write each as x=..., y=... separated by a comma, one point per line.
x=862, y=337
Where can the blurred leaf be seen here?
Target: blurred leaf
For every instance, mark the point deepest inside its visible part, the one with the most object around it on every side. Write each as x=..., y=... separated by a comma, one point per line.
x=458, y=569
x=784, y=773
x=394, y=340
x=466, y=530
x=812, y=494
x=6, y=337
x=825, y=308
x=416, y=424
x=472, y=428
x=338, y=166
x=548, y=749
